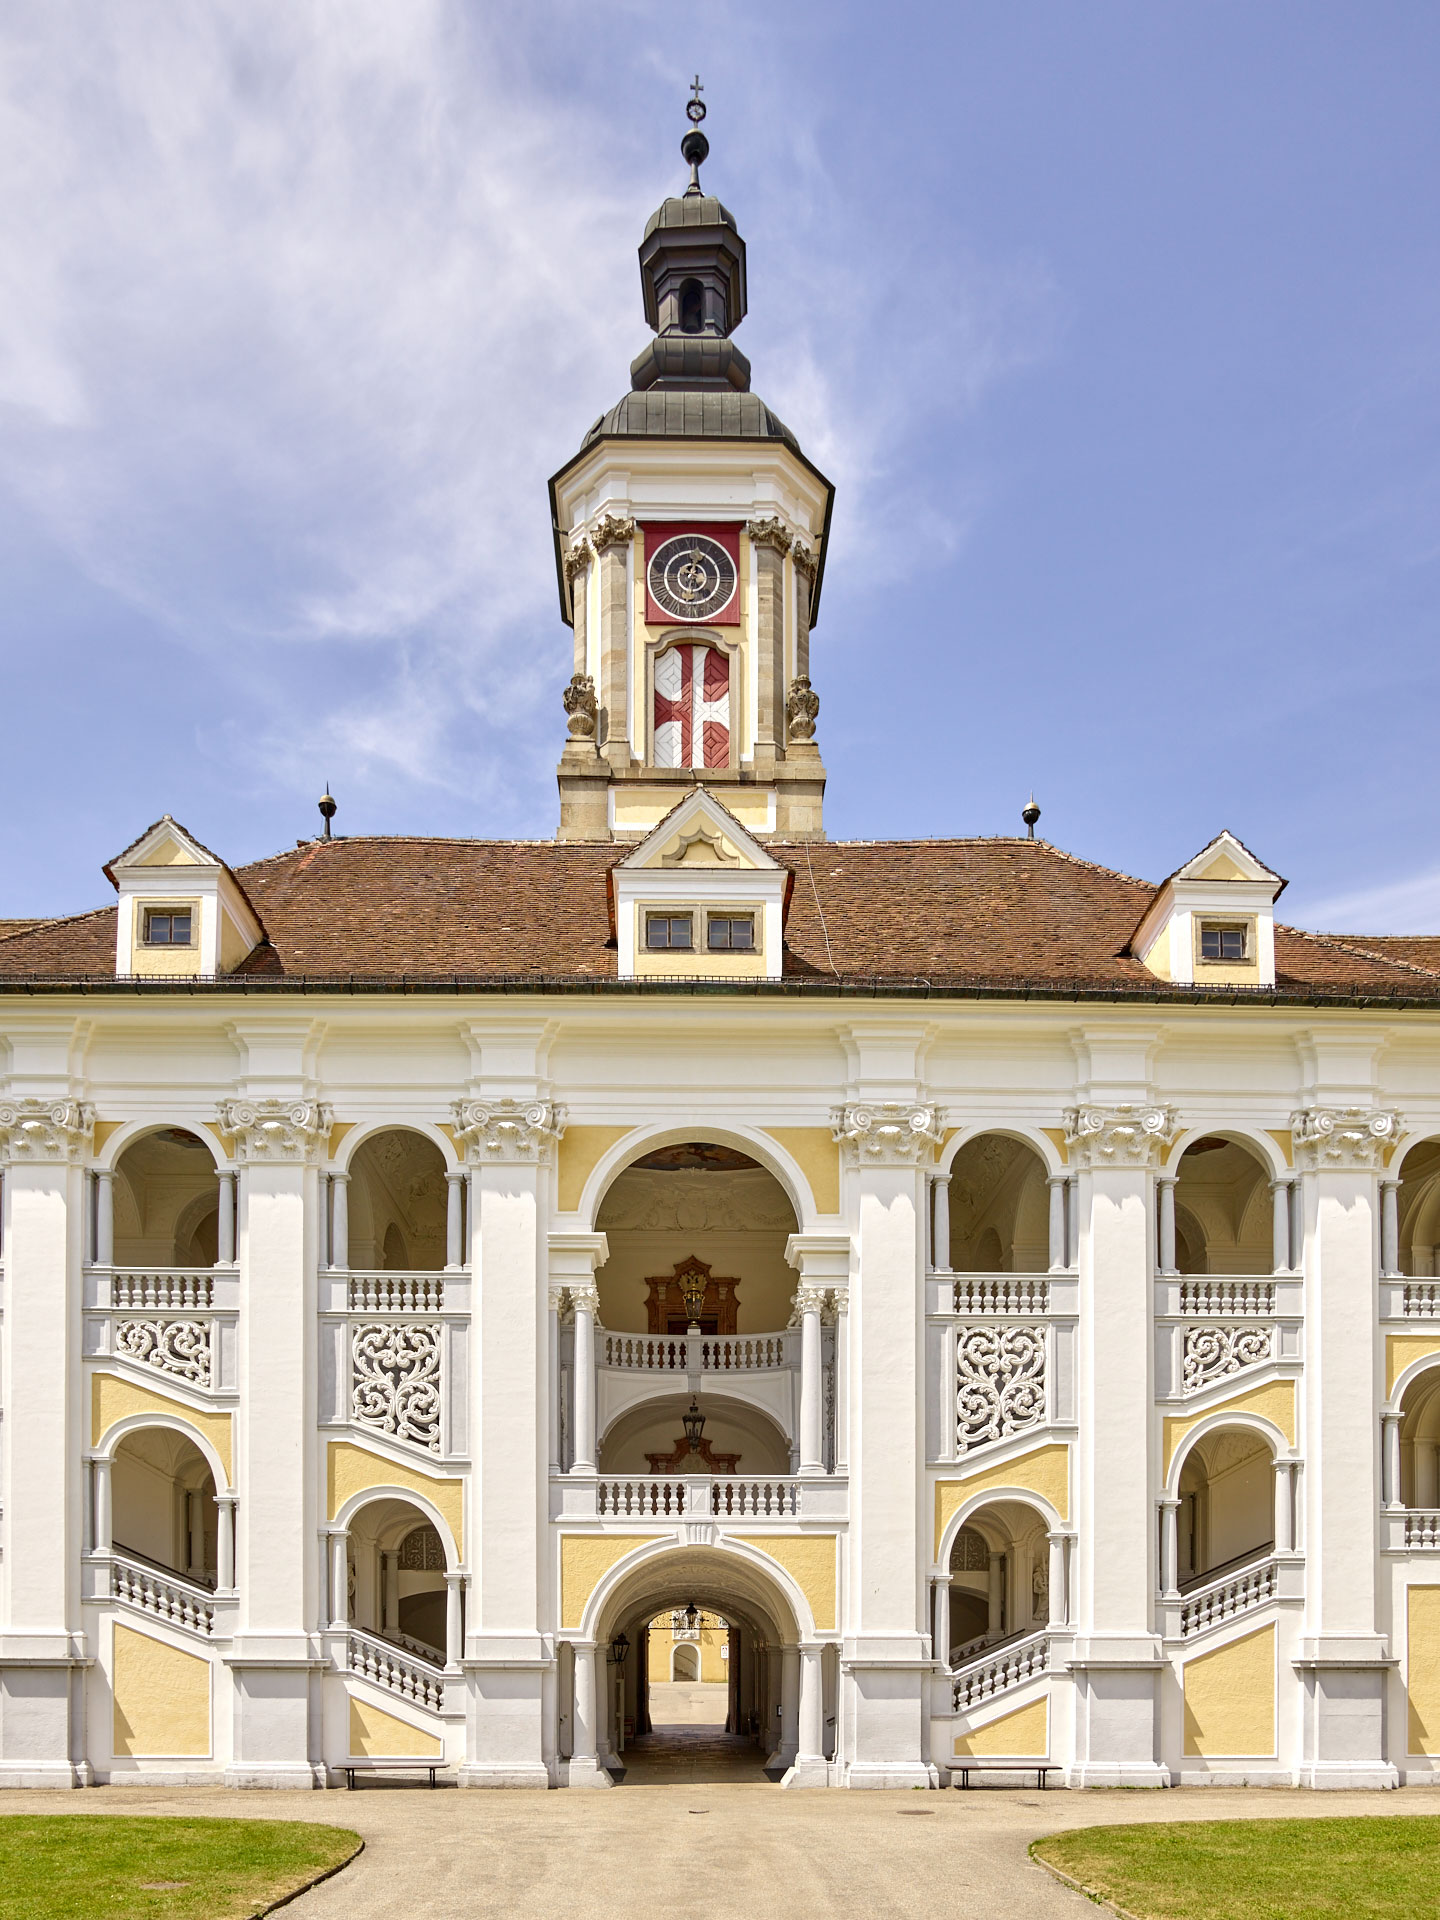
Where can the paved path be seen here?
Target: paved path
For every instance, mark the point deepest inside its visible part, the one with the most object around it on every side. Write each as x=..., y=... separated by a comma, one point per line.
x=705, y=1852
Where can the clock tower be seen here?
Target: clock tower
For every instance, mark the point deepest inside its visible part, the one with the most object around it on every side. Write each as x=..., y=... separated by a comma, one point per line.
x=690, y=536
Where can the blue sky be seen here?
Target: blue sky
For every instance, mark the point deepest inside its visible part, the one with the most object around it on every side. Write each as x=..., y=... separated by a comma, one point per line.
x=1117, y=326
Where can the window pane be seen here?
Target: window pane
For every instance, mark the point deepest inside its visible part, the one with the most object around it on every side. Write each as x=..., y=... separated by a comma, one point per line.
x=667, y=930
x=680, y=930
x=157, y=929
x=180, y=929
x=1209, y=943
x=730, y=933
x=1232, y=943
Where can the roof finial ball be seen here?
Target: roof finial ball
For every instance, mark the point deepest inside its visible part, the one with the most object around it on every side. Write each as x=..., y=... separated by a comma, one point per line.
x=328, y=809
x=1030, y=813
x=695, y=147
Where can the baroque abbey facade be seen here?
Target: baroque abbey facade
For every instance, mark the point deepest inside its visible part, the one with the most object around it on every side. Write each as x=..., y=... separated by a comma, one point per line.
x=993, y=1295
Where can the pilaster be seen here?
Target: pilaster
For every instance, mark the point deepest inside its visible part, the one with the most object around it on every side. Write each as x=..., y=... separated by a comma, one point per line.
x=613, y=540
x=43, y=1656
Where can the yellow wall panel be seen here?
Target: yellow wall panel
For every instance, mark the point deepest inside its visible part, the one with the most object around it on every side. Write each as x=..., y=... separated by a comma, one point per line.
x=809, y=1559
x=1274, y=1402
x=161, y=1699
x=1021, y=1735
x=354, y=1469
x=1422, y=1669
x=112, y=1399
x=377, y=1735
x=1403, y=1350
x=1044, y=1470
x=1230, y=1700
x=817, y=1154
x=585, y=1559
x=581, y=1151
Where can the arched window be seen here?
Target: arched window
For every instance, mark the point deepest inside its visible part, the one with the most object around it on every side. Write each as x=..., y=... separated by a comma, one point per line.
x=692, y=707
x=692, y=306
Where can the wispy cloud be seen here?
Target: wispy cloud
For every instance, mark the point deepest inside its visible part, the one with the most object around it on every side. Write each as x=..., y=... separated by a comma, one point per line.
x=1411, y=905
x=306, y=299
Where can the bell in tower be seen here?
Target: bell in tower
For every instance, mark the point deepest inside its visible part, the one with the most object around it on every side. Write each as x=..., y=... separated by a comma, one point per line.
x=690, y=548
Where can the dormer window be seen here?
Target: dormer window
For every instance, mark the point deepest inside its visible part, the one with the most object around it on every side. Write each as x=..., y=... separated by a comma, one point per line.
x=1223, y=943
x=167, y=927
x=669, y=932
x=730, y=932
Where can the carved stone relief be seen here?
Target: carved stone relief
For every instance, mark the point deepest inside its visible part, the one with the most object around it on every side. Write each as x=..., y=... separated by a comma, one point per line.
x=1000, y=1383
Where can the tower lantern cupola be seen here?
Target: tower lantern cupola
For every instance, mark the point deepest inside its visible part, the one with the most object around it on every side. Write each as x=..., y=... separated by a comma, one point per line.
x=690, y=536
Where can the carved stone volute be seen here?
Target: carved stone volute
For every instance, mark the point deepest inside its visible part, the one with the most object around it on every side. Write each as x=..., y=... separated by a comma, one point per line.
x=581, y=707
x=45, y=1129
x=611, y=531
x=888, y=1133
x=770, y=533
x=1343, y=1138
x=270, y=1130
x=1120, y=1136
x=507, y=1129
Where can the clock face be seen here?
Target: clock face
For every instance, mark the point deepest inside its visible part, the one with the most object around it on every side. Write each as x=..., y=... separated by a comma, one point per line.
x=692, y=577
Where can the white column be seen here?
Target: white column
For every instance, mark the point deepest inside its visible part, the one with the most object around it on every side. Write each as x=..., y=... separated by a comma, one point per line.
x=1169, y=1548
x=940, y=1260
x=1297, y=1226
x=454, y=1219
x=940, y=1619
x=103, y=1536
x=1072, y=1221
x=552, y=1374
x=225, y=1543
x=842, y=1382
x=789, y=1707
x=585, y=1301
x=585, y=1768
x=811, y=1729
x=225, y=1248
x=1391, y=1461
x=1427, y=1495
x=454, y=1631
x=392, y=1591
x=339, y=1578
x=1165, y=1195
x=1058, y=1581
x=1390, y=1229
x=1057, y=1183
x=1284, y=1513
x=104, y=1217
x=340, y=1221
x=808, y=1300
x=1280, y=1225
x=995, y=1594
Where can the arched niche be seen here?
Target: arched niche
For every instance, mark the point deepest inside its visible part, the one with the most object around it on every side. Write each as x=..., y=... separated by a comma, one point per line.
x=999, y=1206
x=1420, y=1440
x=397, y=1203
x=166, y=1200
x=696, y=1200
x=1226, y=1487
x=162, y=1502
x=1419, y=1210
x=737, y=1438
x=1224, y=1218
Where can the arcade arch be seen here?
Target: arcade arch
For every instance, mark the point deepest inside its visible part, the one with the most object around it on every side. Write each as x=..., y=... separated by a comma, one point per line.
x=1000, y=1567
x=159, y=1204
x=402, y=1580
x=1419, y=1210
x=394, y=1215
x=1227, y=1490
x=162, y=1503
x=1420, y=1441
x=1224, y=1217
x=999, y=1208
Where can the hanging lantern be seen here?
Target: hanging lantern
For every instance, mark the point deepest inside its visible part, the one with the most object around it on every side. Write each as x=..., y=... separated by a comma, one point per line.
x=692, y=1617
x=619, y=1647
x=692, y=1293
x=693, y=1421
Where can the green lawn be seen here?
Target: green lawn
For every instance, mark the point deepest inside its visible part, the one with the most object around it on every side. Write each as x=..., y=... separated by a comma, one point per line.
x=73, y=1866
x=1382, y=1868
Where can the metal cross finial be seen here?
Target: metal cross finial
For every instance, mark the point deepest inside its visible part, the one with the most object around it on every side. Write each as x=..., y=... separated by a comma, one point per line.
x=695, y=146
x=695, y=107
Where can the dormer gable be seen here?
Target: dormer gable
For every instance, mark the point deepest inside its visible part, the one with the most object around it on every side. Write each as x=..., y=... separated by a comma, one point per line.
x=1212, y=923
x=699, y=898
x=183, y=914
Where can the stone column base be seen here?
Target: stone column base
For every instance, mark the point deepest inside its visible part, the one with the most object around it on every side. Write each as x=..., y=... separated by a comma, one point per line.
x=809, y=1772
x=278, y=1773
x=882, y=1773
x=43, y=1773
x=584, y=1773
x=513, y=1773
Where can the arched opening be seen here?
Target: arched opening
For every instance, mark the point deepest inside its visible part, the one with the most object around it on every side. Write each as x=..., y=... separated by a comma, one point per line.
x=692, y=306
x=397, y=1204
x=1420, y=1442
x=698, y=1675
x=999, y=1207
x=735, y=1438
x=999, y=1578
x=397, y=1590
x=166, y=1202
x=162, y=1504
x=1227, y=1504
x=1224, y=1220
x=1419, y=1210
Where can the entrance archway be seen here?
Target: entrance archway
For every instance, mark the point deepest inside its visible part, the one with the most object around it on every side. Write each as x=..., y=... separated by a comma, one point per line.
x=774, y=1719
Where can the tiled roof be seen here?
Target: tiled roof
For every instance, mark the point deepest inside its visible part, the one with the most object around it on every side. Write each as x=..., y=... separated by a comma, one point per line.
x=959, y=914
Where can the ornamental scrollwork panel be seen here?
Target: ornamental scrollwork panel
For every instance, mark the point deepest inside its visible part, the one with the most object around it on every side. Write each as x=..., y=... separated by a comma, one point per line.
x=180, y=1348
x=1000, y=1383
x=1210, y=1353
x=395, y=1380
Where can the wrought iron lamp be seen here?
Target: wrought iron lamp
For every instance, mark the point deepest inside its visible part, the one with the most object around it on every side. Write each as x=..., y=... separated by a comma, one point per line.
x=693, y=1421
x=619, y=1648
x=692, y=1293
x=692, y=1617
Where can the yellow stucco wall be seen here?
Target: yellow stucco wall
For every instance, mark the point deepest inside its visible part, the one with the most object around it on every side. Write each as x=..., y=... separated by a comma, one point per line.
x=161, y=1699
x=1285, y=1140
x=1056, y=1137
x=585, y=1559
x=581, y=1151
x=1044, y=1470
x=639, y=808
x=815, y=1151
x=1422, y=1669
x=112, y=1399
x=351, y=1470
x=1274, y=1402
x=809, y=1559
x=1230, y=1699
x=377, y=1735
x=1021, y=1735
x=1402, y=1350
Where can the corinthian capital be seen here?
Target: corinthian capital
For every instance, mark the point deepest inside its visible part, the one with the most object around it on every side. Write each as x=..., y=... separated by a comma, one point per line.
x=804, y=560
x=273, y=1130
x=45, y=1129
x=507, y=1129
x=1343, y=1137
x=577, y=559
x=1120, y=1136
x=770, y=533
x=612, y=531
x=888, y=1133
